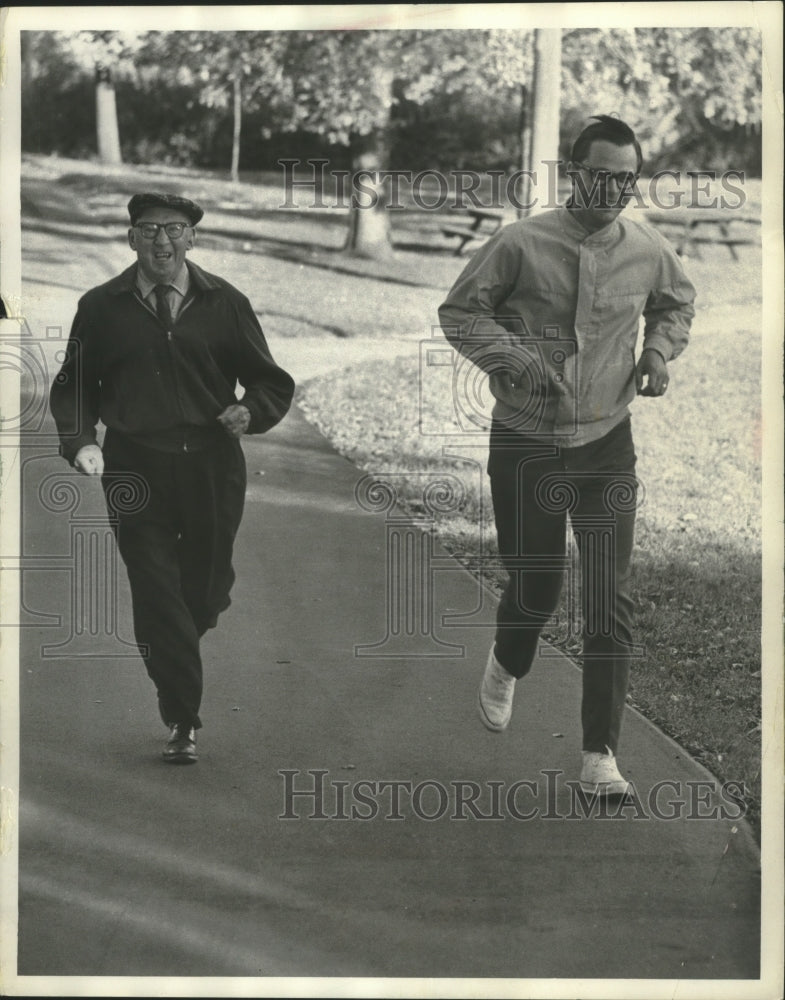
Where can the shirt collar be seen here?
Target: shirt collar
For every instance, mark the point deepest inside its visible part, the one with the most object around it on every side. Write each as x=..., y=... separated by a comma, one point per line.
x=180, y=282
x=199, y=279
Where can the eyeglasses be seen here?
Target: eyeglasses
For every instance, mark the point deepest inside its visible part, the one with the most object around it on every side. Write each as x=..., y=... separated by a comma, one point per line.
x=622, y=180
x=150, y=230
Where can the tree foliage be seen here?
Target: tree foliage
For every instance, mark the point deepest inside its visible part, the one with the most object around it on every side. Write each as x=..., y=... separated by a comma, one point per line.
x=692, y=94
x=437, y=98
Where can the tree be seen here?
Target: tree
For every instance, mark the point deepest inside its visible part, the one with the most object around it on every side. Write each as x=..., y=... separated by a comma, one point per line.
x=341, y=87
x=107, y=131
x=690, y=93
x=345, y=85
x=713, y=82
x=241, y=67
x=440, y=98
x=105, y=52
x=236, y=71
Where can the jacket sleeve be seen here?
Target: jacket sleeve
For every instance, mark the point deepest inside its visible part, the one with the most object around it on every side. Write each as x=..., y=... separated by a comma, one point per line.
x=268, y=388
x=471, y=315
x=75, y=392
x=669, y=308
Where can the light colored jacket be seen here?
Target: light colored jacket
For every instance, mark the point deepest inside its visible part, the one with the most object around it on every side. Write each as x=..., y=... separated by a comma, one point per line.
x=551, y=313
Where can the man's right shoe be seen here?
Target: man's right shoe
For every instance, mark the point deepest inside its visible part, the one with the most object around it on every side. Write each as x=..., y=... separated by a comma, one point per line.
x=495, y=697
x=181, y=746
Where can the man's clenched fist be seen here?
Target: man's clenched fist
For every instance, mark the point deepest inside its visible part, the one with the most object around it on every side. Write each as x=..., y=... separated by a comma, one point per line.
x=235, y=419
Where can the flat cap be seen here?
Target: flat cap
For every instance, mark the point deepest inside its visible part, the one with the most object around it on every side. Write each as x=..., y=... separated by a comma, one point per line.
x=152, y=199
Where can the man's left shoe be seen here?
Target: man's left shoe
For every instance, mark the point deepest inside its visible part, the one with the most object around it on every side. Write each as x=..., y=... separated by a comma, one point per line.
x=600, y=774
x=494, y=698
x=181, y=746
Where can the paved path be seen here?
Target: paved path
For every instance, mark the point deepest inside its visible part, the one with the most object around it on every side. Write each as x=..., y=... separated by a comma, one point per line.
x=131, y=867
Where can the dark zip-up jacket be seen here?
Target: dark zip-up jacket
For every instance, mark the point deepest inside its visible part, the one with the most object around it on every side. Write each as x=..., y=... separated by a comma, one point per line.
x=164, y=387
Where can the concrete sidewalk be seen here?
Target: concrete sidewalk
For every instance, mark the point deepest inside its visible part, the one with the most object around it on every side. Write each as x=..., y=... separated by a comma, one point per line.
x=285, y=851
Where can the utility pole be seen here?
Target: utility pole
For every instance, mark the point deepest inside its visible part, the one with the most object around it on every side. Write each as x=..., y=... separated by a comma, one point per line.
x=542, y=124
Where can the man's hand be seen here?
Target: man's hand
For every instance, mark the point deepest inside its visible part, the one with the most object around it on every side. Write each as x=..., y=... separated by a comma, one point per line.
x=651, y=365
x=235, y=419
x=89, y=460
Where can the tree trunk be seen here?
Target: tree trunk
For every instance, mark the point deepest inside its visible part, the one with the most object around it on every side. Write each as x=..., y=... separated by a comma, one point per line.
x=107, y=131
x=237, y=88
x=369, y=221
x=545, y=116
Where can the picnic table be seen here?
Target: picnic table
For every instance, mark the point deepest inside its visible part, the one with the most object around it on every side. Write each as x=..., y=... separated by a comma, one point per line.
x=729, y=228
x=482, y=224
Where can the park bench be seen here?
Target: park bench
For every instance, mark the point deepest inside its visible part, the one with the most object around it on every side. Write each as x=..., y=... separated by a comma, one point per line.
x=687, y=229
x=483, y=224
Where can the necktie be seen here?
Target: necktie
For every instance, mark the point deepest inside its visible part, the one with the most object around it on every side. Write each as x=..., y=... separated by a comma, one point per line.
x=162, y=306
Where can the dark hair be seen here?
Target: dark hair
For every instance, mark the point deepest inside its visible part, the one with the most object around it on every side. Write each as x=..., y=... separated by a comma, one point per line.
x=609, y=129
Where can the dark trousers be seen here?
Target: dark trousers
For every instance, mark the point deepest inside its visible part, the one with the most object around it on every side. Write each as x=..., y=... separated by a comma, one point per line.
x=175, y=517
x=534, y=487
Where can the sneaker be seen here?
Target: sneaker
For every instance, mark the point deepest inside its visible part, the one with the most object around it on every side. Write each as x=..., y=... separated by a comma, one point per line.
x=495, y=697
x=600, y=775
x=181, y=746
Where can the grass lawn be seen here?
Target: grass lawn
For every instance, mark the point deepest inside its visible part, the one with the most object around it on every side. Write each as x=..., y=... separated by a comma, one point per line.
x=698, y=549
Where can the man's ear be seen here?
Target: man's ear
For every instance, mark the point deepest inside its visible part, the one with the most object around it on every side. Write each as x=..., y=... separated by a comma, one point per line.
x=191, y=240
x=132, y=239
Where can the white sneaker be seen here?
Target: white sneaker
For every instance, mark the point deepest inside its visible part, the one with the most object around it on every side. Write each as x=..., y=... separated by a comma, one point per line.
x=495, y=697
x=600, y=775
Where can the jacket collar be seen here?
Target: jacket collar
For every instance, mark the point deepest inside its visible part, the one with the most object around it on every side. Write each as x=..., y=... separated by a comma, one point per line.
x=575, y=229
x=126, y=280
